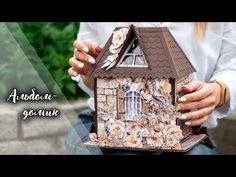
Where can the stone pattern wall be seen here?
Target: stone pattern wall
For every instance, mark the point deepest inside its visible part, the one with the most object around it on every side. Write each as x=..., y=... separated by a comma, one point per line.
x=110, y=99
x=36, y=135
x=107, y=97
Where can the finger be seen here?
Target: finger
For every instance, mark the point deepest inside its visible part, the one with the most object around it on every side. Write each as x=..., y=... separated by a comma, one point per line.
x=75, y=63
x=196, y=122
x=87, y=47
x=209, y=101
x=79, y=66
x=72, y=72
x=79, y=45
x=198, y=113
x=99, y=48
x=92, y=48
x=85, y=57
x=197, y=95
x=192, y=86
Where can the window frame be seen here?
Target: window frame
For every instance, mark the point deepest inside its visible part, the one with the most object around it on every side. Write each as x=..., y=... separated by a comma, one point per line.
x=133, y=105
x=134, y=57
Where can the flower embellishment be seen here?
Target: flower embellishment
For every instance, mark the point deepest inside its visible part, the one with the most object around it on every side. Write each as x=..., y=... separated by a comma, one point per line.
x=118, y=40
x=155, y=141
x=133, y=128
x=93, y=137
x=117, y=130
x=133, y=141
x=173, y=132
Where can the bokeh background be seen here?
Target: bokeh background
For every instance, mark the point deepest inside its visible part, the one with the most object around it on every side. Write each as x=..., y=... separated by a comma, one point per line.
x=53, y=42
x=53, y=45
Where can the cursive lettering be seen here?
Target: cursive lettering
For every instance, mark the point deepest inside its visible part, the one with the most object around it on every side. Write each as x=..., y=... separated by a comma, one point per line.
x=14, y=97
x=40, y=113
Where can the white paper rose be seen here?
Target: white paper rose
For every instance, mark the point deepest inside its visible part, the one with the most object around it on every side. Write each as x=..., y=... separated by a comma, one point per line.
x=154, y=142
x=93, y=137
x=172, y=132
x=133, y=141
x=118, y=39
x=159, y=126
x=142, y=122
x=133, y=128
x=120, y=122
x=173, y=144
x=102, y=135
x=117, y=130
x=114, y=50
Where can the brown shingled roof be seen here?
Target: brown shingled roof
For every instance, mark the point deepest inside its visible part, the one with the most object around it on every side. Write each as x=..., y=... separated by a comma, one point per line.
x=164, y=56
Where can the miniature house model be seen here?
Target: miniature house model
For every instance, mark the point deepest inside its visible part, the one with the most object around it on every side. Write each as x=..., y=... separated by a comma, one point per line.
x=138, y=77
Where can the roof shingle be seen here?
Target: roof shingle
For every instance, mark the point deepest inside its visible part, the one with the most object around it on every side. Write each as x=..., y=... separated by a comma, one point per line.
x=164, y=56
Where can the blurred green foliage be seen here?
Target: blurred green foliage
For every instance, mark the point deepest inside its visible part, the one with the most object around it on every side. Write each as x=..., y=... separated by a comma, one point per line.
x=15, y=69
x=53, y=44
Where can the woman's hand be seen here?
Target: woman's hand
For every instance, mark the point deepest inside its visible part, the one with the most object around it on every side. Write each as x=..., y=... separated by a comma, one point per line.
x=84, y=58
x=85, y=54
x=201, y=98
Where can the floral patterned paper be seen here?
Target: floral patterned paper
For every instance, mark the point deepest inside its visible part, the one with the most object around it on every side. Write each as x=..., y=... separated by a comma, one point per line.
x=118, y=40
x=156, y=127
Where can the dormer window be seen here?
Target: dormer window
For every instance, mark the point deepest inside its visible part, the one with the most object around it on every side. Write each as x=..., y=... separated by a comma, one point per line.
x=133, y=56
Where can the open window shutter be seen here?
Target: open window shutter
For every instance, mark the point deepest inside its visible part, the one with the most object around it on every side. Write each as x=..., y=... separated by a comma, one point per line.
x=120, y=105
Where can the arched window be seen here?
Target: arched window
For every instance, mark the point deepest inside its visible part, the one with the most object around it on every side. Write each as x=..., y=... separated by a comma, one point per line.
x=132, y=105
